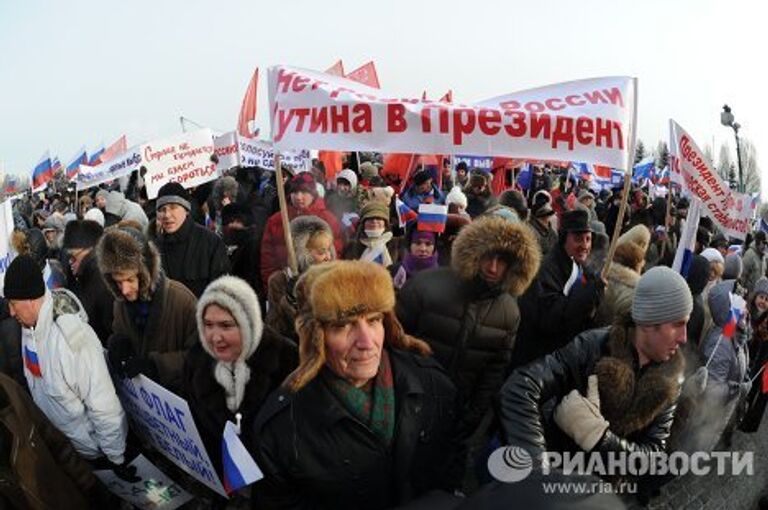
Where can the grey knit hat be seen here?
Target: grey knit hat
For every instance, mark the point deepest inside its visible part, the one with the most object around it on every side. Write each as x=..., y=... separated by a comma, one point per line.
x=761, y=286
x=661, y=296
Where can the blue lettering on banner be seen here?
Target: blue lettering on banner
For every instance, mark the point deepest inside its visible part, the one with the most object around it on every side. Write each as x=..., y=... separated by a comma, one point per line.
x=481, y=162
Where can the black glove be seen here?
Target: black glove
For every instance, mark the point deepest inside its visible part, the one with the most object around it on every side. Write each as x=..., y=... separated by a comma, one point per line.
x=119, y=351
x=135, y=366
x=126, y=472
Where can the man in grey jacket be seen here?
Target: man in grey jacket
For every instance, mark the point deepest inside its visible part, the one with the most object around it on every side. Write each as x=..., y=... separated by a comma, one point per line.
x=754, y=262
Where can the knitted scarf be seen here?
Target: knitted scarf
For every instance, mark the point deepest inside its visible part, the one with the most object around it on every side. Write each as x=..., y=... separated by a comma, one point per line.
x=376, y=249
x=374, y=408
x=414, y=264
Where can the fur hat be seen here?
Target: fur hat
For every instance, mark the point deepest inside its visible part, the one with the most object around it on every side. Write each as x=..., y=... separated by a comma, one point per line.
x=236, y=212
x=81, y=234
x=494, y=234
x=514, y=199
x=238, y=298
x=226, y=186
x=368, y=171
x=96, y=215
x=335, y=292
x=629, y=255
x=456, y=196
x=127, y=249
x=303, y=228
x=349, y=176
x=639, y=234
x=477, y=178
x=374, y=209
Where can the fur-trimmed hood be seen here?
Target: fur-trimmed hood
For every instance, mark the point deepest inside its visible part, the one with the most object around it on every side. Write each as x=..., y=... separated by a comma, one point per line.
x=494, y=234
x=622, y=274
x=630, y=398
x=127, y=249
x=302, y=229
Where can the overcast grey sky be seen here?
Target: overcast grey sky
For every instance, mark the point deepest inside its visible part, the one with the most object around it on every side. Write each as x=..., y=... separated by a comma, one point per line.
x=85, y=72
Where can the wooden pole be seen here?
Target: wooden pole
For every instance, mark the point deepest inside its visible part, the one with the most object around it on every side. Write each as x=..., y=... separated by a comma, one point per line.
x=292, y=264
x=666, y=220
x=627, y=182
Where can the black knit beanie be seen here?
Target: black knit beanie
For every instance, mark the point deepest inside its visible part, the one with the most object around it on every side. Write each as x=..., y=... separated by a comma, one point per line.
x=23, y=279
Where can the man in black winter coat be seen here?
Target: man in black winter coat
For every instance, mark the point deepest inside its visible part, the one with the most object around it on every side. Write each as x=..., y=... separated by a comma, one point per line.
x=611, y=390
x=564, y=297
x=468, y=313
x=191, y=254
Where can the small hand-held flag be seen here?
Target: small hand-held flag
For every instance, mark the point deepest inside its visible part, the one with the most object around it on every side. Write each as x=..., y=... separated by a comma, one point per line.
x=405, y=214
x=238, y=466
x=432, y=218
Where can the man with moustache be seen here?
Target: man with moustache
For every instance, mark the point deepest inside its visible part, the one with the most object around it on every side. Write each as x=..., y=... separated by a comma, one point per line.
x=563, y=299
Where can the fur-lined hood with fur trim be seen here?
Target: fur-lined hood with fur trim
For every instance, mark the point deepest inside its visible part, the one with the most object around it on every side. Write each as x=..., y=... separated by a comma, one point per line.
x=302, y=230
x=127, y=249
x=494, y=234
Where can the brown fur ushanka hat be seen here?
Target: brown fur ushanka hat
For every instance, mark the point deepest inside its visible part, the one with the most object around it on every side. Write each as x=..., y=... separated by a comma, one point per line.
x=127, y=249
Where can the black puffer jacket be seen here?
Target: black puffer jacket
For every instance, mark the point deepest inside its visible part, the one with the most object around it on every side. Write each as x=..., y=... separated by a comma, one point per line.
x=470, y=325
x=274, y=359
x=97, y=300
x=639, y=403
x=550, y=319
x=11, y=363
x=193, y=256
x=315, y=454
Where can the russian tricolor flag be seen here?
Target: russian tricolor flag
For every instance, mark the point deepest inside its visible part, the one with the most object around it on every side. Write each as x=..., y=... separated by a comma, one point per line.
x=80, y=159
x=239, y=468
x=738, y=306
x=42, y=173
x=95, y=158
x=31, y=362
x=643, y=170
x=56, y=164
x=524, y=176
x=432, y=218
x=405, y=214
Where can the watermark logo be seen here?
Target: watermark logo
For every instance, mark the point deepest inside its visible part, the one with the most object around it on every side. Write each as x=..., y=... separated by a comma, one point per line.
x=510, y=464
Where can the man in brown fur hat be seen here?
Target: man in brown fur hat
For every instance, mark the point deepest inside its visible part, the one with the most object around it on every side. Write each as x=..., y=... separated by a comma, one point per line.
x=612, y=390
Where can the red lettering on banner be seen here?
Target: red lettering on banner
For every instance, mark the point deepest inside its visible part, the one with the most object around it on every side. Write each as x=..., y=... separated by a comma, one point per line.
x=284, y=80
x=563, y=132
x=337, y=92
x=574, y=100
x=319, y=120
x=534, y=107
x=603, y=133
x=510, y=105
x=517, y=127
x=552, y=106
x=541, y=123
x=396, y=118
x=362, y=122
x=151, y=155
x=300, y=83
x=426, y=119
x=284, y=118
x=585, y=128
x=489, y=121
x=339, y=121
x=595, y=97
x=464, y=120
x=614, y=96
x=301, y=115
x=443, y=116
x=619, y=133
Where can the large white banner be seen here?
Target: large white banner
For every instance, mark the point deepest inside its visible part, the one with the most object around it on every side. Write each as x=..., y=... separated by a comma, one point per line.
x=184, y=158
x=731, y=211
x=588, y=120
x=119, y=166
x=6, y=249
x=233, y=150
x=164, y=419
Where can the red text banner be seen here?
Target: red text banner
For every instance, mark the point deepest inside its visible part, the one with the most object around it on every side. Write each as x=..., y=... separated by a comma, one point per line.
x=587, y=120
x=730, y=210
x=184, y=158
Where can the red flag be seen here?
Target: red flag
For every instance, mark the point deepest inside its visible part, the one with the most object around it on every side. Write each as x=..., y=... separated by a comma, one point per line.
x=248, y=108
x=333, y=163
x=765, y=377
x=603, y=172
x=336, y=69
x=424, y=96
x=447, y=97
x=117, y=148
x=366, y=74
x=397, y=167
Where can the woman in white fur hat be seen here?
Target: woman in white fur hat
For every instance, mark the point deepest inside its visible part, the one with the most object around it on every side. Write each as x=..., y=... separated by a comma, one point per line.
x=238, y=362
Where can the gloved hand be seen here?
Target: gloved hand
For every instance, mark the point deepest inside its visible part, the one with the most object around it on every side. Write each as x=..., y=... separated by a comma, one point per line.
x=126, y=472
x=135, y=366
x=119, y=351
x=579, y=417
x=699, y=380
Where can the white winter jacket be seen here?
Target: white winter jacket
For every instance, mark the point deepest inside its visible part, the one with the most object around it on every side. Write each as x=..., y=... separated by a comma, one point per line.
x=74, y=389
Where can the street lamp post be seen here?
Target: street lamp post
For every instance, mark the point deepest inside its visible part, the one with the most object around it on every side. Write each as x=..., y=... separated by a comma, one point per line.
x=726, y=119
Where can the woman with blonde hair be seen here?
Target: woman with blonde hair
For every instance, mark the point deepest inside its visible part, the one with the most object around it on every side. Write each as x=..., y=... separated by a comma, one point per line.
x=365, y=420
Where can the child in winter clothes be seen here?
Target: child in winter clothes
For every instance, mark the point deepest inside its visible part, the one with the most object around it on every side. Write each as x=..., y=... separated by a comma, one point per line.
x=758, y=350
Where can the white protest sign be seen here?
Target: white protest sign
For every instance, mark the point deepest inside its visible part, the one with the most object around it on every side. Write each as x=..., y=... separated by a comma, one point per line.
x=153, y=491
x=184, y=158
x=730, y=210
x=233, y=150
x=6, y=230
x=119, y=166
x=164, y=419
x=587, y=120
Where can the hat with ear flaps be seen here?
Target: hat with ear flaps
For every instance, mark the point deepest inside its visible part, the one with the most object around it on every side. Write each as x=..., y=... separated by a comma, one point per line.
x=338, y=292
x=127, y=249
x=303, y=228
x=238, y=298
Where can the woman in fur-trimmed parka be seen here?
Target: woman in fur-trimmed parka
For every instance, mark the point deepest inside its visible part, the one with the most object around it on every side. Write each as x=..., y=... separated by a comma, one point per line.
x=468, y=313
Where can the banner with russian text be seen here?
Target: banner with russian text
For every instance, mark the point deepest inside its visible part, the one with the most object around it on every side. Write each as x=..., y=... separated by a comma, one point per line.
x=119, y=166
x=586, y=120
x=235, y=150
x=731, y=211
x=184, y=158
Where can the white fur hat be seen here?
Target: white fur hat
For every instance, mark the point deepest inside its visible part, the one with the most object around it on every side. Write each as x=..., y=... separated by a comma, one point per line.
x=237, y=297
x=456, y=196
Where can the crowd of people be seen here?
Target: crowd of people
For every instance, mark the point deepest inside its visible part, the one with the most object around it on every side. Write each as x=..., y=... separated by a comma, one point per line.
x=386, y=365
